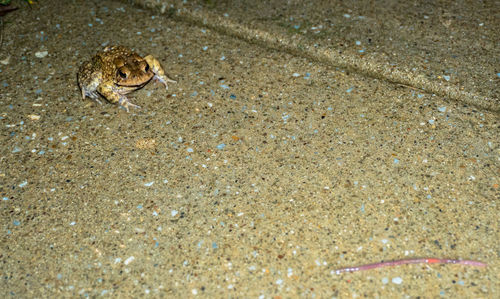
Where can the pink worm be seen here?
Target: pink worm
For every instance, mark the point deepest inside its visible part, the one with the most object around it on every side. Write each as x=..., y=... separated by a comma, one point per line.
x=427, y=260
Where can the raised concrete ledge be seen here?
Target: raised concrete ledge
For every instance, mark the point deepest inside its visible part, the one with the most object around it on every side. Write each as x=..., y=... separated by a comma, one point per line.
x=302, y=46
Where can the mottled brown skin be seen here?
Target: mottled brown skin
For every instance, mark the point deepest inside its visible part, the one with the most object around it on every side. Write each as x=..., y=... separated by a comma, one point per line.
x=116, y=71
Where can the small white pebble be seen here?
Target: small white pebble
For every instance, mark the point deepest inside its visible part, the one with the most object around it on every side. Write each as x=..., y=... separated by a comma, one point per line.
x=41, y=54
x=5, y=61
x=129, y=260
x=397, y=280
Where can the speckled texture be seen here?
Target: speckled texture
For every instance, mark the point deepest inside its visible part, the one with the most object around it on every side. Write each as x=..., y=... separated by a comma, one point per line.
x=449, y=48
x=258, y=174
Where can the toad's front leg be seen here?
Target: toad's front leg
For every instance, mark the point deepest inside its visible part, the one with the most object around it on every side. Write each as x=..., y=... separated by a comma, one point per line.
x=155, y=66
x=113, y=96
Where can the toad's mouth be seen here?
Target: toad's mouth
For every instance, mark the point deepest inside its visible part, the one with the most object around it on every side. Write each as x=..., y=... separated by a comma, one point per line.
x=133, y=84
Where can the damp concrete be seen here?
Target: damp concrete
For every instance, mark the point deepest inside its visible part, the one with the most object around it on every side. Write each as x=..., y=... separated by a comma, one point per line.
x=271, y=162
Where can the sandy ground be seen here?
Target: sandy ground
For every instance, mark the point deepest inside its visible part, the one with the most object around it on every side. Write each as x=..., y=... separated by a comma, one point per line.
x=264, y=169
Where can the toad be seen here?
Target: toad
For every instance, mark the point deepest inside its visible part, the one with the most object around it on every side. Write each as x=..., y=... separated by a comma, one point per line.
x=117, y=71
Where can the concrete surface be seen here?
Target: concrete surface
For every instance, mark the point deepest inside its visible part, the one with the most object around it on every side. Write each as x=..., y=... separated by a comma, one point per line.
x=271, y=163
x=449, y=48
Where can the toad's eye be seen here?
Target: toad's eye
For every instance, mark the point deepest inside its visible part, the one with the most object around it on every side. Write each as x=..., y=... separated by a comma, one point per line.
x=146, y=68
x=122, y=74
